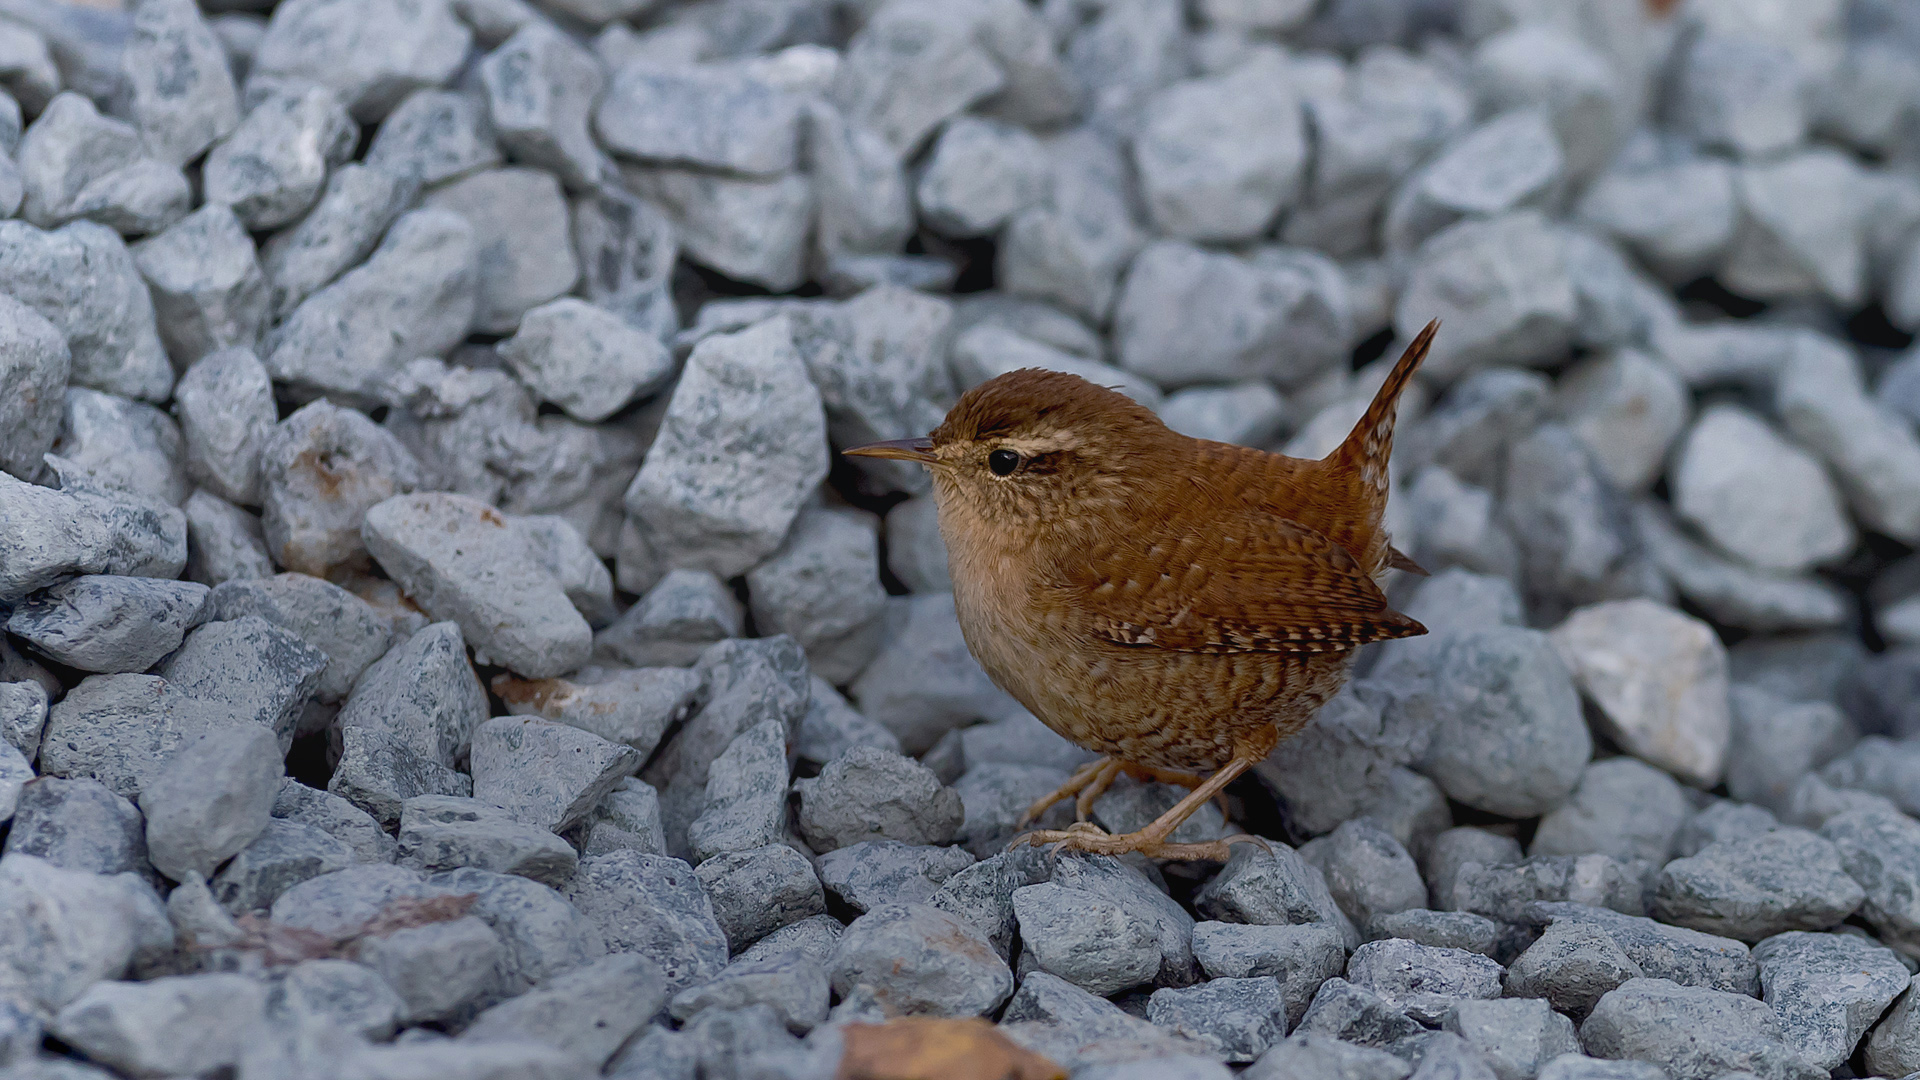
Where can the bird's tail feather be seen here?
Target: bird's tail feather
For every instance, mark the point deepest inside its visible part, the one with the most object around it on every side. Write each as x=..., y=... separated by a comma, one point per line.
x=1364, y=452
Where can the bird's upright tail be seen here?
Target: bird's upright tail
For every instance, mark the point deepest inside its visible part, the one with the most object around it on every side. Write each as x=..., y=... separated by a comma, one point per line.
x=1363, y=455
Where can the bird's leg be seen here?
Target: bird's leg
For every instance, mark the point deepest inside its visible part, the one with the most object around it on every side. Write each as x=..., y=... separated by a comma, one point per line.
x=1096, y=787
x=1152, y=840
x=1173, y=776
x=1083, y=777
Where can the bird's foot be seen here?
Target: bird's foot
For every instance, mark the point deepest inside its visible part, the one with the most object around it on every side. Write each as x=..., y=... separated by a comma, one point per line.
x=1153, y=843
x=1087, y=783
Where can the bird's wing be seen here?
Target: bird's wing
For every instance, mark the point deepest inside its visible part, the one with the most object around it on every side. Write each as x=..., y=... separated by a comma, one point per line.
x=1248, y=582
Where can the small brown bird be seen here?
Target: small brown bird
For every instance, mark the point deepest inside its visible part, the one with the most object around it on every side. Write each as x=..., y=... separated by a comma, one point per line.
x=1177, y=605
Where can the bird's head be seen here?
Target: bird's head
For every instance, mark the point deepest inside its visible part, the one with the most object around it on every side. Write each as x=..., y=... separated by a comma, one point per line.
x=1029, y=447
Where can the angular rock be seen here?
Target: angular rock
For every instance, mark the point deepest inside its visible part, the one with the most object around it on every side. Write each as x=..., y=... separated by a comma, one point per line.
x=123, y=445
x=588, y=1012
x=1507, y=735
x=759, y=892
x=1756, y=496
x=1086, y=939
x=1510, y=161
x=182, y=1025
x=523, y=256
x=74, y=929
x=1687, y=957
x=719, y=117
x=109, y=623
x=1827, y=990
x=78, y=825
x=208, y=292
x=1442, y=929
x=283, y=856
x=321, y=470
x=225, y=405
x=23, y=715
x=1213, y=165
x=1628, y=409
x=32, y=380
x=1732, y=592
x=979, y=174
x=1502, y=286
x=1186, y=315
x=1893, y=1044
x=1424, y=980
x=794, y=985
x=541, y=88
x=1507, y=893
x=1070, y=249
x=224, y=542
x=1659, y=680
x=371, y=54
x=75, y=163
x=273, y=166
x=438, y=969
x=1691, y=1032
x=1514, y=1037
x=415, y=296
x=822, y=587
x=1621, y=808
x=1875, y=455
x=674, y=622
x=1271, y=888
x=1368, y=872
x=910, y=67
x=211, y=799
x=247, y=666
x=1351, y=1014
x=1800, y=232
x=1308, y=1055
x=1301, y=957
x=654, y=906
x=634, y=706
x=747, y=681
x=921, y=959
x=1759, y=886
x=1572, y=964
x=322, y=614
x=341, y=230
x=746, y=797
x=440, y=832
x=546, y=774
x=869, y=793
x=1236, y=1018
x=585, y=359
x=337, y=818
x=873, y=873
x=342, y=992
x=81, y=279
x=750, y=229
x=1880, y=849
x=434, y=136
x=461, y=561
x=542, y=932
x=725, y=505
x=924, y=682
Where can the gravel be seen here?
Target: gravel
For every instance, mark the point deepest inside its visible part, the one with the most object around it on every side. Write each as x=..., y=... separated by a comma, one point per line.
x=437, y=611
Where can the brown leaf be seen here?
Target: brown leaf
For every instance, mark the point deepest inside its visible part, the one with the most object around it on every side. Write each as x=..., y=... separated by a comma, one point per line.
x=930, y=1048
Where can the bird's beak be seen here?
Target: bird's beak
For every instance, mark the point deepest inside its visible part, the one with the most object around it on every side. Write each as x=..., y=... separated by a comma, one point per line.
x=920, y=450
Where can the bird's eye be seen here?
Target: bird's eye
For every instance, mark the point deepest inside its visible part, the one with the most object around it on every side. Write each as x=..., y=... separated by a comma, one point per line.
x=1003, y=462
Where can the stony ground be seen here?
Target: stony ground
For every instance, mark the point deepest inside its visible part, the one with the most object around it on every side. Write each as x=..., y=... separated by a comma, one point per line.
x=440, y=641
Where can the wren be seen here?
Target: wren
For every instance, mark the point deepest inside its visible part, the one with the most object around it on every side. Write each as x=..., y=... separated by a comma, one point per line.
x=1176, y=605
